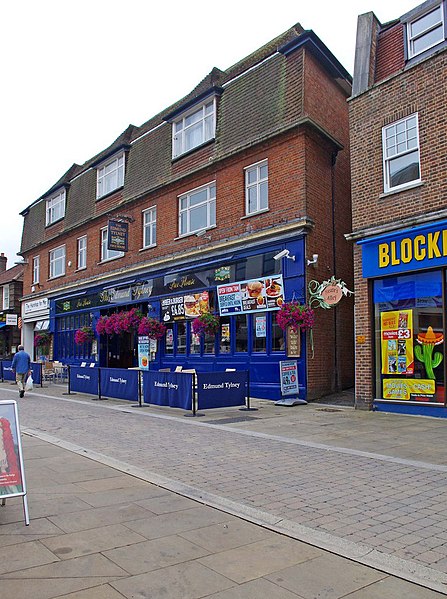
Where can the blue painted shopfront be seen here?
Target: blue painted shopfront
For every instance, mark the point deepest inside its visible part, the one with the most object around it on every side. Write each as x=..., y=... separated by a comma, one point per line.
x=251, y=341
x=408, y=272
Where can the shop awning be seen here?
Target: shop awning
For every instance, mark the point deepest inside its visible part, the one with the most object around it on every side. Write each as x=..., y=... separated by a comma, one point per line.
x=2, y=324
x=42, y=325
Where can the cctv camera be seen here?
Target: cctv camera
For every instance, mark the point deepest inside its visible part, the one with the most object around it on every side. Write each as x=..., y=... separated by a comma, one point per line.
x=281, y=254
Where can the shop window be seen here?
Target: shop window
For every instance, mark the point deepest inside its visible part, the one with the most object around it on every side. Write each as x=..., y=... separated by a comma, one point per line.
x=401, y=153
x=225, y=335
x=259, y=332
x=181, y=338
x=194, y=128
x=278, y=343
x=256, y=188
x=209, y=344
x=169, y=340
x=194, y=343
x=426, y=31
x=242, y=333
x=110, y=175
x=197, y=209
x=410, y=338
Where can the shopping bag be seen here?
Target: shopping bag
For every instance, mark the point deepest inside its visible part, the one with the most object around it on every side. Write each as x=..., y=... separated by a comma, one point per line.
x=29, y=384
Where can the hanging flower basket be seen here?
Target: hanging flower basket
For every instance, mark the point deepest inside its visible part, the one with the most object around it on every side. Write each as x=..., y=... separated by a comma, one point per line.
x=42, y=339
x=84, y=335
x=299, y=317
x=205, y=324
x=119, y=322
x=151, y=327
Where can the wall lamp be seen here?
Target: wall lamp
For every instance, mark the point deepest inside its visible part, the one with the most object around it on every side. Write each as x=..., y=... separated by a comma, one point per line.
x=314, y=261
x=284, y=254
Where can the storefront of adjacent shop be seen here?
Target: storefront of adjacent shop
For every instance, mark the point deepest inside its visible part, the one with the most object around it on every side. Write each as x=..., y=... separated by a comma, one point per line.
x=37, y=339
x=245, y=289
x=407, y=270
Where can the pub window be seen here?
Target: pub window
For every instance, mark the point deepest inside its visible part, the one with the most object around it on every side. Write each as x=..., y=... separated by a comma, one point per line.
x=225, y=335
x=209, y=344
x=241, y=333
x=194, y=343
x=277, y=335
x=169, y=340
x=181, y=338
x=259, y=332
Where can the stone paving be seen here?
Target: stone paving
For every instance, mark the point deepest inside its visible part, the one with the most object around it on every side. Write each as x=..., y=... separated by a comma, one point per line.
x=385, y=510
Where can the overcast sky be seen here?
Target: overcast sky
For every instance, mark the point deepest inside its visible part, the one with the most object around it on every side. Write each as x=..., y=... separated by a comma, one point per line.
x=76, y=74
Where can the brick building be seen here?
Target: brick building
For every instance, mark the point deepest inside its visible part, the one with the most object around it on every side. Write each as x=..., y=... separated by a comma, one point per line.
x=254, y=161
x=398, y=115
x=11, y=286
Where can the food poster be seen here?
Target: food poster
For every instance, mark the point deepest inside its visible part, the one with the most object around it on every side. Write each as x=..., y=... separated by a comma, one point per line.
x=266, y=293
x=143, y=352
x=397, y=342
x=11, y=480
x=185, y=306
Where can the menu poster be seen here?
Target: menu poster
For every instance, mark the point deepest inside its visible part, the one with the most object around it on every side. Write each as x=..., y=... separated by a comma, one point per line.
x=397, y=342
x=266, y=293
x=185, y=306
x=11, y=473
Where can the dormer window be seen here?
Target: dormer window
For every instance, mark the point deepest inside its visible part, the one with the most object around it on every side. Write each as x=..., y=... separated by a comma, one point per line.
x=110, y=175
x=55, y=207
x=194, y=128
x=426, y=31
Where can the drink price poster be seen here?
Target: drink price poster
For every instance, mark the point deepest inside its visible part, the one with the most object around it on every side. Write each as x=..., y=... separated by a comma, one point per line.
x=12, y=474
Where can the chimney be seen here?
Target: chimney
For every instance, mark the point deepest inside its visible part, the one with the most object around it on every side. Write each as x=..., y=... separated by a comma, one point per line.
x=3, y=260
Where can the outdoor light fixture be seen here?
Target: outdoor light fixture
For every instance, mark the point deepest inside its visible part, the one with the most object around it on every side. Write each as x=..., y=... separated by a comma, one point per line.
x=284, y=254
x=314, y=261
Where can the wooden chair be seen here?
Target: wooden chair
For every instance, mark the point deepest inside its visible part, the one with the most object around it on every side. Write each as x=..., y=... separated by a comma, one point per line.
x=48, y=372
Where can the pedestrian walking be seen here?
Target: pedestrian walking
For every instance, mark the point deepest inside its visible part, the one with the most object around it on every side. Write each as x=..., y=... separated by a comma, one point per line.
x=21, y=364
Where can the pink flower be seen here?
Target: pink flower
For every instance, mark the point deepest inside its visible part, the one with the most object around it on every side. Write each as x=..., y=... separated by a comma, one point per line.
x=296, y=316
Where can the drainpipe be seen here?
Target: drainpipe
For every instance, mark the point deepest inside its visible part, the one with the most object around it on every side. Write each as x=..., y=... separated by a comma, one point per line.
x=334, y=268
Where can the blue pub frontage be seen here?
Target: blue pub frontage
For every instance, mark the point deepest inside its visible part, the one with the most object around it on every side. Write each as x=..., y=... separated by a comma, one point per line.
x=407, y=274
x=248, y=339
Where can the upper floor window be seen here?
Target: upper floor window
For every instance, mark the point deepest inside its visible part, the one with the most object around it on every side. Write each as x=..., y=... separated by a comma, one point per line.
x=36, y=269
x=82, y=252
x=256, y=188
x=149, y=227
x=194, y=128
x=426, y=31
x=401, y=164
x=197, y=209
x=110, y=175
x=5, y=297
x=57, y=262
x=55, y=207
x=107, y=254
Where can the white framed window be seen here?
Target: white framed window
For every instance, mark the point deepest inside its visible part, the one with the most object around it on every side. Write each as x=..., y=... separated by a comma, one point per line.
x=107, y=254
x=82, y=252
x=110, y=175
x=426, y=31
x=57, y=262
x=55, y=207
x=401, y=163
x=256, y=188
x=36, y=269
x=5, y=297
x=194, y=128
x=150, y=227
x=197, y=209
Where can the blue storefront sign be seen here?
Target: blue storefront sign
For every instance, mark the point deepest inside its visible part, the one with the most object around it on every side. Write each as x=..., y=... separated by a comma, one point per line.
x=84, y=380
x=119, y=383
x=221, y=389
x=404, y=251
x=173, y=389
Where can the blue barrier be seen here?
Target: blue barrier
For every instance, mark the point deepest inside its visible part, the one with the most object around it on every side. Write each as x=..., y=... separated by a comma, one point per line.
x=221, y=389
x=172, y=389
x=84, y=380
x=8, y=373
x=119, y=383
x=36, y=370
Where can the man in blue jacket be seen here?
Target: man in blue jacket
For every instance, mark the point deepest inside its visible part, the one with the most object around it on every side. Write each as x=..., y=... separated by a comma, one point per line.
x=21, y=364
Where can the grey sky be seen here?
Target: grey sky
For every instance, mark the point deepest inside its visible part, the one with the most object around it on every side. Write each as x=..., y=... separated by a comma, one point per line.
x=75, y=74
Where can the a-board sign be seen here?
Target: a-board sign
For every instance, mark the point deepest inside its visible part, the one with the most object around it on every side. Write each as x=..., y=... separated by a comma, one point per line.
x=289, y=377
x=12, y=474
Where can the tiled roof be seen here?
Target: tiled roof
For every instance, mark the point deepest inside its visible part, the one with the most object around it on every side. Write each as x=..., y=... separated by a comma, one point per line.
x=12, y=274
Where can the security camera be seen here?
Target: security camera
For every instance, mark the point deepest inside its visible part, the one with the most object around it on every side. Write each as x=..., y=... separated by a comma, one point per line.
x=282, y=254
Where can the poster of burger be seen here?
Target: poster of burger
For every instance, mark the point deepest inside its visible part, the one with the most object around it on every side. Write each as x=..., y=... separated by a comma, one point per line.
x=265, y=293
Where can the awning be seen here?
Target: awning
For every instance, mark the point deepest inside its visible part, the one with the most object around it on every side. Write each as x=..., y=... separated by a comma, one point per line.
x=42, y=325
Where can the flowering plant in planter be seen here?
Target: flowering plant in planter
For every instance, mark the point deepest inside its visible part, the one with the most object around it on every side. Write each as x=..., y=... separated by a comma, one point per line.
x=296, y=316
x=206, y=323
x=41, y=339
x=119, y=322
x=84, y=335
x=151, y=327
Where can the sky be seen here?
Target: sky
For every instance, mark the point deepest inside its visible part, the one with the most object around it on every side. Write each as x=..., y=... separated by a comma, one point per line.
x=76, y=74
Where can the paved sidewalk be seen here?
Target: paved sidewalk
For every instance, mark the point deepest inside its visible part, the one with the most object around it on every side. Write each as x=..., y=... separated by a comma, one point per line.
x=367, y=486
